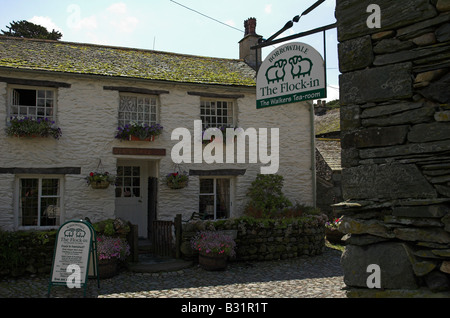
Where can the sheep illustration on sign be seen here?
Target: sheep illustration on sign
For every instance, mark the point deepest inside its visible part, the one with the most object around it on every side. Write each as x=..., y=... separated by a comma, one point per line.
x=292, y=73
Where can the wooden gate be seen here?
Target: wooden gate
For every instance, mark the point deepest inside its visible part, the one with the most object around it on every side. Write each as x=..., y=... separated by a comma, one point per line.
x=162, y=241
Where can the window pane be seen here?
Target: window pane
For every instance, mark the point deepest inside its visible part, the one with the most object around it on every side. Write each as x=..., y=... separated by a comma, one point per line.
x=222, y=198
x=50, y=211
x=206, y=206
x=50, y=187
x=207, y=186
x=29, y=196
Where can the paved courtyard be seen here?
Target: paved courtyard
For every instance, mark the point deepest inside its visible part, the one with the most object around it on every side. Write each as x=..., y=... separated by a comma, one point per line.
x=304, y=277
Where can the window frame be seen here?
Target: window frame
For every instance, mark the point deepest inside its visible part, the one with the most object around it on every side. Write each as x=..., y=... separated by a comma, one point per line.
x=122, y=122
x=18, y=212
x=11, y=98
x=231, y=194
x=233, y=108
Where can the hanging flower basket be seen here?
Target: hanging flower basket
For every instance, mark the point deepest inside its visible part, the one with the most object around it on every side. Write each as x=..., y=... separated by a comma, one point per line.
x=99, y=180
x=177, y=180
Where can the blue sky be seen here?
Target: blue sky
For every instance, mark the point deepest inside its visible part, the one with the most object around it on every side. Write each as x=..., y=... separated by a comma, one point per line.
x=164, y=25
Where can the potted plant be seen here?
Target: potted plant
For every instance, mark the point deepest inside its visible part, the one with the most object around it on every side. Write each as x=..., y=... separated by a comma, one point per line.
x=139, y=132
x=214, y=248
x=176, y=180
x=110, y=251
x=332, y=231
x=99, y=180
x=31, y=127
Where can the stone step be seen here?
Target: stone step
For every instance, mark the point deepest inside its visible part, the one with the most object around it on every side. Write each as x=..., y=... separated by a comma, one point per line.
x=150, y=263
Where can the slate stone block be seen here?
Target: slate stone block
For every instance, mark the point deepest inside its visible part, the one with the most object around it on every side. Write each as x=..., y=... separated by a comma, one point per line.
x=355, y=54
x=386, y=181
x=352, y=15
x=376, y=84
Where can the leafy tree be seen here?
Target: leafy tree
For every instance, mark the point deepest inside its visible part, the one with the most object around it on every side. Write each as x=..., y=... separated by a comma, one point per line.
x=25, y=29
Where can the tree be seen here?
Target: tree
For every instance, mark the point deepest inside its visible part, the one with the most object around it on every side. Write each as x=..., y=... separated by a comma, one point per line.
x=25, y=29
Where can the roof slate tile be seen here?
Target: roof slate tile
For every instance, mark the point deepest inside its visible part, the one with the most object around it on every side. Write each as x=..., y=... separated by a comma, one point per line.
x=67, y=57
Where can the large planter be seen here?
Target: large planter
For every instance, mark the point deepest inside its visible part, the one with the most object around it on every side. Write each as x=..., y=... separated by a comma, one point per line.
x=107, y=268
x=99, y=184
x=213, y=262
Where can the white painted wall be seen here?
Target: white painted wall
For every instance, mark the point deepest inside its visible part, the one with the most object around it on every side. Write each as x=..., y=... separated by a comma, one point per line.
x=87, y=115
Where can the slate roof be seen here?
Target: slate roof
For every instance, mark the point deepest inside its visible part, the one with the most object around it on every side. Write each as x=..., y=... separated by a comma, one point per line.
x=330, y=149
x=77, y=58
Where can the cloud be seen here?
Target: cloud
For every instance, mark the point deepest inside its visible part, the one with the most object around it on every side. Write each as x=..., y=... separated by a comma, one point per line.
x=268, y=8
x=74, y=20
x=45, y=22
x=119, y=18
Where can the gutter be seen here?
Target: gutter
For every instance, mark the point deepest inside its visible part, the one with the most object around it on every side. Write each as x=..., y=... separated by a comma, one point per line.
x=313, y=154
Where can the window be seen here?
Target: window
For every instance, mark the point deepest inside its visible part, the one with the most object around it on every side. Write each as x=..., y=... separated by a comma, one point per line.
x=34, y=103
x=39, y=201
x=214, y=200
x=139, y=109
x=128, y=182
x=215, y=113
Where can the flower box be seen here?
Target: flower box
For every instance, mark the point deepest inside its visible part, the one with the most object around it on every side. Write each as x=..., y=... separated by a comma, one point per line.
x=32, y=128
x=135, y=138
x=141, y=132
x=213, y=262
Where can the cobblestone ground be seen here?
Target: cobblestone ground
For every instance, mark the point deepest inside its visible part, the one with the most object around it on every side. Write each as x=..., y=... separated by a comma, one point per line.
x=304, y=277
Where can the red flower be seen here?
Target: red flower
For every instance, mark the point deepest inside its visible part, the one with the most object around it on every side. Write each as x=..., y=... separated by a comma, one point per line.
x=91, y=174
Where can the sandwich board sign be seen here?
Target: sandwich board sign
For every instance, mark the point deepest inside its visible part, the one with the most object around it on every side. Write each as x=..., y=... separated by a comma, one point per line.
x=75, y=253
x=293, y=72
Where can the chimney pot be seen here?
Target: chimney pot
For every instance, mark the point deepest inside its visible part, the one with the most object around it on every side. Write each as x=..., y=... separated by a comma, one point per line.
x=251, y=57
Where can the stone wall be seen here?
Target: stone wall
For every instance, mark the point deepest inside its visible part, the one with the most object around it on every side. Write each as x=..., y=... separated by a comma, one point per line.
x=395, y=130
x=264, y=239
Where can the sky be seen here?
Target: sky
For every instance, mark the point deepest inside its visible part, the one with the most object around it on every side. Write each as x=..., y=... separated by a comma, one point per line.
x=214, y=29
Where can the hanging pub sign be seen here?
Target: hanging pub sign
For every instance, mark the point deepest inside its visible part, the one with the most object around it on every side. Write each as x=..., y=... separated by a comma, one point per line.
x=294, y=72
x=75, y=253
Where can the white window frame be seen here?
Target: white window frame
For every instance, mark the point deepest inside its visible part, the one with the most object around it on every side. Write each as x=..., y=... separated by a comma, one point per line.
x=17, y=211
x=232, y=183
x=12, y=102
x=204, y=109
x=123, y=121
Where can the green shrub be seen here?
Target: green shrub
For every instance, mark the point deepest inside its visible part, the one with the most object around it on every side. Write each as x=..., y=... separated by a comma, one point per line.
x=266, y=196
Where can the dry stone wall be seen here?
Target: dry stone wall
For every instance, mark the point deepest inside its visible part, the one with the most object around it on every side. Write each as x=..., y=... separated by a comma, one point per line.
x=395, y=130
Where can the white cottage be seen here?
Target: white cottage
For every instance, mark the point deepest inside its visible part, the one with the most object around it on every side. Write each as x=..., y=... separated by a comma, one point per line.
x=91, y=90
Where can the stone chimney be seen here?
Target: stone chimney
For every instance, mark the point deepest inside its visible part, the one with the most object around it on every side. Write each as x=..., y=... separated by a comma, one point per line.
x=251, y=57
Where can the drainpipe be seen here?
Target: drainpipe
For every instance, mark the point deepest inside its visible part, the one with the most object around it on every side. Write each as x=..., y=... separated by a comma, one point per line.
x=313, y=153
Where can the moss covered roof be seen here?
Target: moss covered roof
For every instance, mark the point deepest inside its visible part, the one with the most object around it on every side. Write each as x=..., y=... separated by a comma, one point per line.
x=66, y=57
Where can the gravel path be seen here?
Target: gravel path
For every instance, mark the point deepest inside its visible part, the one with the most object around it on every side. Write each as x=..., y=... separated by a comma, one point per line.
x=304, y=277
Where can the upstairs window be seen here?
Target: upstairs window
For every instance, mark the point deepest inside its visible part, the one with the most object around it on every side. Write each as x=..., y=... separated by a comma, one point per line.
x=32, y=103
x=216, y=113
x=139, y=109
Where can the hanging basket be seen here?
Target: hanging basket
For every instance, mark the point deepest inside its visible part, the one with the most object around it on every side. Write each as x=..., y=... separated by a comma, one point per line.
x=177, y=185
x=100, y=185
